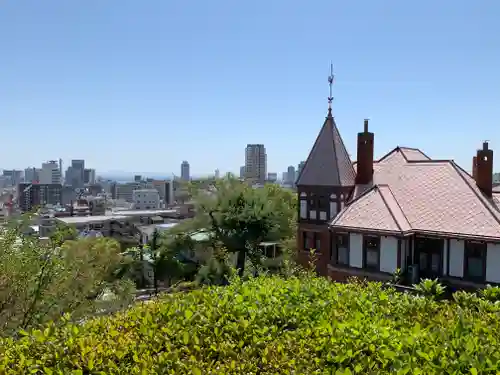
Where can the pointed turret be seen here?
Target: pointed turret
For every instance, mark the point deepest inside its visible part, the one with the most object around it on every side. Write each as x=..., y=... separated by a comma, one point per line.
x=328, y=163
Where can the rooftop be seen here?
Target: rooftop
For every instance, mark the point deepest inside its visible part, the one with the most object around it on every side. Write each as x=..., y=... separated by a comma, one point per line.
x=75, y=220
x=411, y=193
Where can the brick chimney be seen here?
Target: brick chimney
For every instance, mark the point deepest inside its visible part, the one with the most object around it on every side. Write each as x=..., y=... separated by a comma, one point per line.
x=474, y=167
x=364, y=165
x=484, y=174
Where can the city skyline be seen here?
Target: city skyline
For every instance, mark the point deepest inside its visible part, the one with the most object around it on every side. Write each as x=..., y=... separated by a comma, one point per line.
x=106, y=70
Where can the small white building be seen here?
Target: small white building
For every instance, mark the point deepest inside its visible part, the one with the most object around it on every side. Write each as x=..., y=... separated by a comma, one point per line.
x=146, y=199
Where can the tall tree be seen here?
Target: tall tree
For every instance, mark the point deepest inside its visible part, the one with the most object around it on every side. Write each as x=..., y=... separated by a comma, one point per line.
x=240, y=217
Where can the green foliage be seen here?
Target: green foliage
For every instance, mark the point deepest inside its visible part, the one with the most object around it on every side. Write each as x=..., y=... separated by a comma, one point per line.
x=269, y=325
x=241, y=217
x=430, y=288
x=491, y=293
x=40, y=282
x=397, y=276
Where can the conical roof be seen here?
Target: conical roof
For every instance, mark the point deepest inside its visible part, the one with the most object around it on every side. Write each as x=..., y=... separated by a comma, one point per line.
x=328, y=163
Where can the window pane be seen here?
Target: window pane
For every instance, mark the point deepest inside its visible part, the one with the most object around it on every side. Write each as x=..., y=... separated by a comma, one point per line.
x=475, y=267
x=333, y=209
x=303, y=209
x=312, y=214
x=371, y=258
x=372, y=242
x=318, y=244
x=435, y=260
x=423, y=261
x=343, y=255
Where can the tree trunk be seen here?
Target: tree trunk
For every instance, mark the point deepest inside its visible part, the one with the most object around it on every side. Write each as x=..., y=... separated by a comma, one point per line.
x=240, y=262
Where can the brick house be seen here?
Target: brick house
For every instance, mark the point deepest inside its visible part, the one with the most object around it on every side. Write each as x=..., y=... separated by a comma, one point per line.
x=369, y=217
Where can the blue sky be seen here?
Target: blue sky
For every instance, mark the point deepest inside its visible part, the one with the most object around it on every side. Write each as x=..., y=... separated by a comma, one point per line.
x=142, y=85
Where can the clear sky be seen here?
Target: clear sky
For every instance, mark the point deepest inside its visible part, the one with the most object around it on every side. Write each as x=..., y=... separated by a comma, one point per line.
x=140, y=85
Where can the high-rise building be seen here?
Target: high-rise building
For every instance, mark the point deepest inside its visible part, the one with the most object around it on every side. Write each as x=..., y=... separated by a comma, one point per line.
x=256, y=162
x=290, y=175
x=299, y=168
x=75, y=173
x=217, y=174
x=242, y=171
x=185, y=171
x=32, y=195
x=50, y=173
x=165, y=190
x=89, y=176
x=32, y=175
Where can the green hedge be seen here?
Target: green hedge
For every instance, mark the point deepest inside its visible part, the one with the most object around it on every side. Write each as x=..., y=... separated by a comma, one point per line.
x=270, y=325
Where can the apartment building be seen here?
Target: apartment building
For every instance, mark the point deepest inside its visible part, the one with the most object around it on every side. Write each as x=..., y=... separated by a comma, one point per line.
x=50, y=173
x=146, y=199
x=256, y=162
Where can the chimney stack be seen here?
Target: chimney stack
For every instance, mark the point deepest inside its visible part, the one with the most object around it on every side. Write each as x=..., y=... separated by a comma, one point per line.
x=364, y=166
x=484, y=170
x=474, y=168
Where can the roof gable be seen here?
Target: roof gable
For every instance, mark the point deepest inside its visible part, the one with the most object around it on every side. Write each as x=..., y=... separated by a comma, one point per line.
x=376, y=209
x=328, y=163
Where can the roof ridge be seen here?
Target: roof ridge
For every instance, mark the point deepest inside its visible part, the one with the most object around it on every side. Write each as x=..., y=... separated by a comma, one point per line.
x=388, y=154
x=483, y=200
x=399, y=206
x=387, y=207
x=334, y=128
x=343, y=148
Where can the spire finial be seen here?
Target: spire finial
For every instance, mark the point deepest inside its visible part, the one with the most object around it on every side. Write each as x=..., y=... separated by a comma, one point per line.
x=330, y=83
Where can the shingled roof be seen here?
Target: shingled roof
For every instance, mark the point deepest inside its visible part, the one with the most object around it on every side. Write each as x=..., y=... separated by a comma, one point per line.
x=424, y=196
x=328, y=163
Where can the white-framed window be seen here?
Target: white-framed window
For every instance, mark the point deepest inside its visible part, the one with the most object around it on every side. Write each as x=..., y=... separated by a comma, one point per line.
x=333, y=209
x=303, y=209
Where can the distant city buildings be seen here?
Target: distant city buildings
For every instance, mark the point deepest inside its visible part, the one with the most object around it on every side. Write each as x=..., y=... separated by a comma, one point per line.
x=299, y=168
x=89, y=176
x=272, y=177
x=32, y=175
x=75, y=173
x=290, y=175
x=256, y=163
x=30, y=195
x=242, y=171
x=217, y=174
x=12, y=177
x=146, y=199
x=50, y=173
x=185, y=173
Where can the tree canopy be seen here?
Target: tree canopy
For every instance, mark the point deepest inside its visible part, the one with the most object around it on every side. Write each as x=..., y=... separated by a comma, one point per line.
x=240, y=217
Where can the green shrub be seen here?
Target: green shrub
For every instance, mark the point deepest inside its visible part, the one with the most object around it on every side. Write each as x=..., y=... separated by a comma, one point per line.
x=490, y=293
x=269, y=325
x=430, y=288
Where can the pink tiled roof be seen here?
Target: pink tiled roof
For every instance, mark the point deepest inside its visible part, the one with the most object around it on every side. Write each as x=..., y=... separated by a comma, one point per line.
x=433, y=196
x=328, y=163
x=375, y=209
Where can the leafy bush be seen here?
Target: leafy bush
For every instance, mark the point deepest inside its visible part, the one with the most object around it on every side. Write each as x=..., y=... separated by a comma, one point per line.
x=491, y=293
x=269, y=325
x=430, y=288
